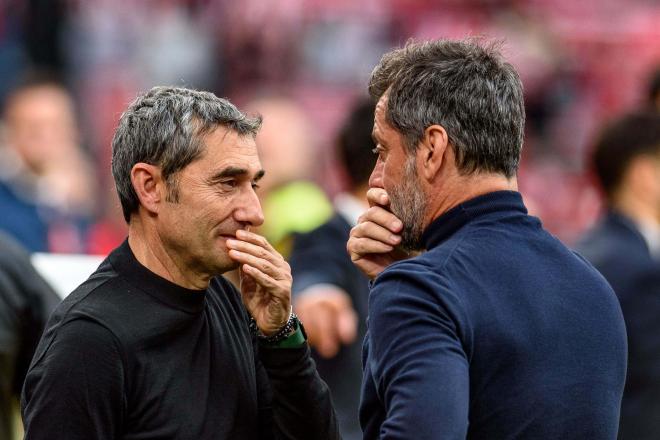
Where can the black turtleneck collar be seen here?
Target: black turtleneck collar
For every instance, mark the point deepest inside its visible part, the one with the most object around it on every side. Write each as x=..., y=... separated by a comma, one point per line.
x=451, y=221
x=125, y=263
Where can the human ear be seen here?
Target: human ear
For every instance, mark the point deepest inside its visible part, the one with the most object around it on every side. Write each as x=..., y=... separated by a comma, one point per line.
x=148, y=185
x=432, y=151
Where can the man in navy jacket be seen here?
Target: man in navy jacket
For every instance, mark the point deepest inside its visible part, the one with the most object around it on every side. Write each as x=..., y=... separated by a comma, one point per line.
x=495, y=330
x=625, y=247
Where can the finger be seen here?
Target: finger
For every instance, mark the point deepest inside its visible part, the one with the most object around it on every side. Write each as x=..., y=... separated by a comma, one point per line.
x=375, y=232
x=347, y=322
x=255, y=250
x=247, y=284
x=255, y=239
x=381, y=217
x=371, y=266
x=261, y=278
x=359, y=247
x=264, y=266
x=307, y=314
x=327, y=342
x=377, y=196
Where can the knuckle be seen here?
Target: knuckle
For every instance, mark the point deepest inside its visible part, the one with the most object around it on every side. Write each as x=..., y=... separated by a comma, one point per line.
x=372, y=212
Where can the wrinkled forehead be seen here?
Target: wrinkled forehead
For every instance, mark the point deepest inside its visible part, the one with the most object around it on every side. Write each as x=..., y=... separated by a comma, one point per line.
x=225, y=148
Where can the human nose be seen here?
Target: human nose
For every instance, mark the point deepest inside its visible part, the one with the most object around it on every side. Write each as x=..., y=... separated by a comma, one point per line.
x=376, y=178
x=249, y=211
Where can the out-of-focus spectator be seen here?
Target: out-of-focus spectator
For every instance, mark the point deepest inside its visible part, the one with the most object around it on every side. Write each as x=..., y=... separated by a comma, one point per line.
x=291, y=201
x=625, y=247
x=46, y=184
x=654, y=90
x=330, y=293
x=25, y=304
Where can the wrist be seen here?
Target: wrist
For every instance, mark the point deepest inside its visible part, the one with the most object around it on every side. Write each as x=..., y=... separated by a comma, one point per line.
x=290, y=329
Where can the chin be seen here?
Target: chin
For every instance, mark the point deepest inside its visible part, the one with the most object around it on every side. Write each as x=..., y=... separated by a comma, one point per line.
x=226, y=266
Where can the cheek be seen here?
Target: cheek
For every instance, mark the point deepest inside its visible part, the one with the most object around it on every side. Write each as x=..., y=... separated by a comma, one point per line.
x=376, y=177
x=391, y=176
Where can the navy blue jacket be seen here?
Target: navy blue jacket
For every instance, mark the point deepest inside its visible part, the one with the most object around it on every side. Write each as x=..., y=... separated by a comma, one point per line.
x=497, y=331
x=617, y=249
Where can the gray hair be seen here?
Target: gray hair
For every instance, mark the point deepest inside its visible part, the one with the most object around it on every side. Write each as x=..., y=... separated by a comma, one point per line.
x=165, y=127
x=465, y=87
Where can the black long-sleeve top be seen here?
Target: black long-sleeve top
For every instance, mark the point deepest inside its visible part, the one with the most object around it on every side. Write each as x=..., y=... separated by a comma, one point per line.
x=131, y=355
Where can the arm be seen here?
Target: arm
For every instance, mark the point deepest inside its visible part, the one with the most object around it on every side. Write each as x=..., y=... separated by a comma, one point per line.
x=417, y=360
x=329, y=316
x=74, y=390
x=293, y=400
x=322, y=273
x=301, y=405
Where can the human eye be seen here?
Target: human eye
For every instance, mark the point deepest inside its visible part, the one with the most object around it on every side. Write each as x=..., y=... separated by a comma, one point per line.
x=255, y=185
x=380, y=151
x=229, y=183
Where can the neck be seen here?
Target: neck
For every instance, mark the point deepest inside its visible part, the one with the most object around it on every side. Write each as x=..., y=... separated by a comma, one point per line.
x=151, y=252
x=464, y=188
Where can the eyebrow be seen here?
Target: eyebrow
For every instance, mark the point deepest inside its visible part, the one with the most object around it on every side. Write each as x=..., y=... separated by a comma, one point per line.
x=377, y=141
x=235, y=172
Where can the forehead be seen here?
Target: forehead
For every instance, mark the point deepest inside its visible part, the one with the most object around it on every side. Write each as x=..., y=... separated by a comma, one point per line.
x=383, y=130
x=380, y=116
x=380, y=111
x=224, y=147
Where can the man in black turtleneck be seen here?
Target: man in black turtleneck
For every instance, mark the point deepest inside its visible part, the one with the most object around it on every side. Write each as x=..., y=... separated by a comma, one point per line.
x=155, y=344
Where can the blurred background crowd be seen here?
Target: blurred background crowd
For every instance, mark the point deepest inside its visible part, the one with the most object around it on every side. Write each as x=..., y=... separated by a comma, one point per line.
x=68, y=68
x=302, y=62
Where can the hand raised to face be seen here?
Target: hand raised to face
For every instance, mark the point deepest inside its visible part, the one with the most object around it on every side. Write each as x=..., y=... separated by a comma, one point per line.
x=265, y=280
x=372, y=244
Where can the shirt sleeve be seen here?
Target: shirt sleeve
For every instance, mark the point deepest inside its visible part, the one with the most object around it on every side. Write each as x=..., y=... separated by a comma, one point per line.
x=416, y=358
x=300, y=403
x=74, y=390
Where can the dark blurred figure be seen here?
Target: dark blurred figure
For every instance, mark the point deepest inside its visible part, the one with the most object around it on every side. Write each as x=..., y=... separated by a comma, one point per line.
x=625, y=246
x=25, y=304
x=654, y=90
x=46, y=184
x=330, y=293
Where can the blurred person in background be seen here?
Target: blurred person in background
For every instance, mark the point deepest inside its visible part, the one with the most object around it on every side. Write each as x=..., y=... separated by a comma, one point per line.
x=46, y=182
x=157, y=343
x=330, y=293
x=654, y=90
x=26, y=301
x=625, y=247
x=292, y=202
x=496, y=330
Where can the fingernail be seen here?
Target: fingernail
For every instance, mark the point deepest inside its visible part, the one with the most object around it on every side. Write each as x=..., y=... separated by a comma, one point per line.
x=397, y=224
x=394, y=239
x=231, y=242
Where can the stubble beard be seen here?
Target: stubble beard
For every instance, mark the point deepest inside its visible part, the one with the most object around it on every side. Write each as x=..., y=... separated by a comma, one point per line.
x=408, y=202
